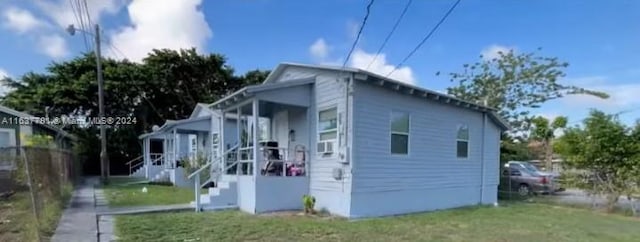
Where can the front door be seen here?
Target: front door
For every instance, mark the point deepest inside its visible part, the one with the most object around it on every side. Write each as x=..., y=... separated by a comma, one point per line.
x=281, y=128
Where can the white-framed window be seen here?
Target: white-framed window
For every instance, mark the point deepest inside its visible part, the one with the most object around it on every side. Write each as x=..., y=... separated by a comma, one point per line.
x=328, y=124
x=462, y=142
x=399, y=133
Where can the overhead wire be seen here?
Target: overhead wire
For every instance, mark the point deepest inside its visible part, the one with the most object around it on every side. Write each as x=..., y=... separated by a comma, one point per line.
x=355, y=42
x=433, y=30
x=79, y=21
x=393, y=29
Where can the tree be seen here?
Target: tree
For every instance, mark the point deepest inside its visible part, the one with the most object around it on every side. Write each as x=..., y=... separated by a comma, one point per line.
x=513, y=149
x=545, y=133
x=255, y=77
x=608, y=151
x=513, y=84
x=166, y=85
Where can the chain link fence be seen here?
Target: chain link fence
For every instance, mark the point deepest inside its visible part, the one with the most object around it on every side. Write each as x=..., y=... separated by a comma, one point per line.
x=35, y=184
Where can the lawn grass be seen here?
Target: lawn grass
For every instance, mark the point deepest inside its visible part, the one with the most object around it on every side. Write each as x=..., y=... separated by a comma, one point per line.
x=132, y=195
x=513, y=222
x=18, y=223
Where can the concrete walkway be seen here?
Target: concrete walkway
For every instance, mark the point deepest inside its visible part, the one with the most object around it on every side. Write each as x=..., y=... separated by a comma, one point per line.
x=89, y=218
x=145, y=209
x=78, y=222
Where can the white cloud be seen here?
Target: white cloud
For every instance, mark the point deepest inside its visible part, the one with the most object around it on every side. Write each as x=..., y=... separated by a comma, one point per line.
x=172, y=25
x=53, y=45
x=3, y=88
x=361, y=59
x=622, y=96
x=61, y=12
x=492, y=51
x=352, y=28
x=20, y=20
x=319, y=50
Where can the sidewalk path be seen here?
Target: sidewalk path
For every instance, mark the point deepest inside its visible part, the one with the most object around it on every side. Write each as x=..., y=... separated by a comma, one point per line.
x=145, y=209
x=89, y=218
x=78, y=222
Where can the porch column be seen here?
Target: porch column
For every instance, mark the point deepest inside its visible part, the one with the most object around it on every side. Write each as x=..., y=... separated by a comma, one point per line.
x=210, y=140
x=256, y=127
x=222, y=145
x=165, y=151
x=239, y=136
x=146, y=156
x=175, y=147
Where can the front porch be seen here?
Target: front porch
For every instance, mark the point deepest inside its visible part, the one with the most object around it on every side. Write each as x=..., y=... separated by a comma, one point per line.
x=265, y=159
x=184, y=142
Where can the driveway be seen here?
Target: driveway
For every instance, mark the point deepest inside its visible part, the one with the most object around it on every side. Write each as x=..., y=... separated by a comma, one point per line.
x=577, y=196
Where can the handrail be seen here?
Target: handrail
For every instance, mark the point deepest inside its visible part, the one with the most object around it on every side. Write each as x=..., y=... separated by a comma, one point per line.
x=196, y=173
x=133, y=166
x=202, y=168
x=134, y=159
x=211, y=162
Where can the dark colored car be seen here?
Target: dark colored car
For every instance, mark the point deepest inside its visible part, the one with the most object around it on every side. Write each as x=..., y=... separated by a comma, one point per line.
x=526, y=179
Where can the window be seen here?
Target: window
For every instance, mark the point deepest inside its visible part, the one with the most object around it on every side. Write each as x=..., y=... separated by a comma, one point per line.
x=264, y=124
x=399, y=133
x=328, y=124
x=462, y=142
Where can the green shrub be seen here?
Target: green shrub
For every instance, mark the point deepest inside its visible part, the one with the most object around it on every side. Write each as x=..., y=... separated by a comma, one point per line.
x=309, y=202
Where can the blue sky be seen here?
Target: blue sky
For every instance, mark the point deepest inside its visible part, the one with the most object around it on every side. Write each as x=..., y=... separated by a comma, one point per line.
x=600, y=39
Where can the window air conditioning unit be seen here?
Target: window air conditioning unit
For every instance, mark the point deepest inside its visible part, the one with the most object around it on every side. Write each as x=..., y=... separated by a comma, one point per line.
x=325, y=147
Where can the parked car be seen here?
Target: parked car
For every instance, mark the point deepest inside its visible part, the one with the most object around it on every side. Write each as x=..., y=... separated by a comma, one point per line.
x=526, y=179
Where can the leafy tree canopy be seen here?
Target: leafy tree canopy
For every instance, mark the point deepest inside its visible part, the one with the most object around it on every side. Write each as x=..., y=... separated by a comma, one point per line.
x=167, y=84
x=608, y=151
x=514, y=83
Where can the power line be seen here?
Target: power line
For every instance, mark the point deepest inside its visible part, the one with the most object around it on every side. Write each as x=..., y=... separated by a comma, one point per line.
x=82, y=4
x=433, y=30
x=77, y=14
x=404, y=11
x=86, y=8
x=364, y=21
x=83, y=25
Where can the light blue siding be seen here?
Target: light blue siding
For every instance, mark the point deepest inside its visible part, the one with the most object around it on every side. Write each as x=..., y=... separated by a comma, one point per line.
x=183, y=146
x=431, y=176
x=280, y=193
x=298, y=95
x=331, y=194
x=247, y=193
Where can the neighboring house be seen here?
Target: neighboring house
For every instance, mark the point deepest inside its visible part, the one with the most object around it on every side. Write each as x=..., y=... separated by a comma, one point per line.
x=15, y=129
x=362, y=144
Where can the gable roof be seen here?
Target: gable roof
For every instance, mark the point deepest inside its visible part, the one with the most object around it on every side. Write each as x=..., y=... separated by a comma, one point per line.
x=405, y=88
x=31, y=117
x=200, y=107
x=246, y=92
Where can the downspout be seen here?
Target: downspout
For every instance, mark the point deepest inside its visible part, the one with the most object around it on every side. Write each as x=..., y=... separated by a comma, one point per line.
x=484, y=127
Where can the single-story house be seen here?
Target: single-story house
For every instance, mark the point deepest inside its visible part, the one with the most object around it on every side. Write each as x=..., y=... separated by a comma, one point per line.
x=362, y=144
x=16, y=127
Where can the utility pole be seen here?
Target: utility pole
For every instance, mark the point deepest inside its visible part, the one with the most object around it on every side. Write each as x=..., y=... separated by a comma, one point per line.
x=104, y=162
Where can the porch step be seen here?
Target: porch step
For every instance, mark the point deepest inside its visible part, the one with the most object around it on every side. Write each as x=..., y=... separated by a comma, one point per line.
x=161, y=176
x=225, y=194
x=138, y=172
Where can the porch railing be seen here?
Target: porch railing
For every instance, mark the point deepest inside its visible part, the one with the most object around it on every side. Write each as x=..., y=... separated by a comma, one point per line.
x=216, y=168
x=276, y=161
x=135, y=163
